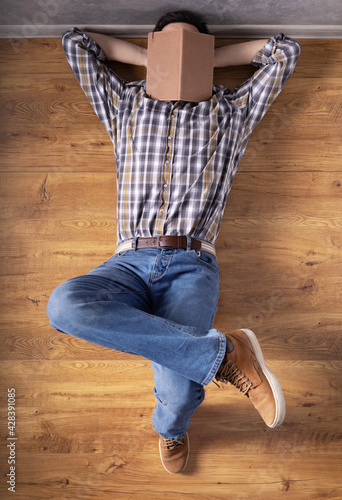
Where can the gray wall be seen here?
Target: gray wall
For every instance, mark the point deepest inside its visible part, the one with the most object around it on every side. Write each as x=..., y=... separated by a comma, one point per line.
x=145, y=12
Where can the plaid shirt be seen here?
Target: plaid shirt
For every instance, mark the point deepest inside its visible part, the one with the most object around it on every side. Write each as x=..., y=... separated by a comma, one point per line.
x=176, y=160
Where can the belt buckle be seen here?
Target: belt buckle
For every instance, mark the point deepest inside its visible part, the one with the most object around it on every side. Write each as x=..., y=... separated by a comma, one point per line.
x=158, y=241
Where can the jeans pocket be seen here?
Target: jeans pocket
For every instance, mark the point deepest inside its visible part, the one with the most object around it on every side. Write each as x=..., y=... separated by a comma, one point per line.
x=208, y=260
x=119, y=254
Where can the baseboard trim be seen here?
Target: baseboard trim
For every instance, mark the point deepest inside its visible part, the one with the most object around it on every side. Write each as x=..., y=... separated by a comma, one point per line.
x=140, y=31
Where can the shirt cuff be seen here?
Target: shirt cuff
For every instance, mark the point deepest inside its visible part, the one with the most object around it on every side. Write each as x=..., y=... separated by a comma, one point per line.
x=262, y=57
x=88, y=43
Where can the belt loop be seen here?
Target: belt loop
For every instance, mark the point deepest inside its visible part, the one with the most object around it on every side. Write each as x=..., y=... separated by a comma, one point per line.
x=134, y=244
x=188, y=245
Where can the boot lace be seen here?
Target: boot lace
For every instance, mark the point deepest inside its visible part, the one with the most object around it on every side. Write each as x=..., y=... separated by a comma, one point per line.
x=231, y=373
x=172, y=444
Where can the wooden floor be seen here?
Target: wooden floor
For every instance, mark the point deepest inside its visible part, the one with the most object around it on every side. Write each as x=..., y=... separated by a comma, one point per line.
x=83, y=413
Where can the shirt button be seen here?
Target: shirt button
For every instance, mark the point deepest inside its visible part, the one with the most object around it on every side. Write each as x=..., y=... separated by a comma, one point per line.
x=165, y=185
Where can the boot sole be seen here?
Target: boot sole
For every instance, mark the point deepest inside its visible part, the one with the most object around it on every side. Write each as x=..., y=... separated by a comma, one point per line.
x=271, y=378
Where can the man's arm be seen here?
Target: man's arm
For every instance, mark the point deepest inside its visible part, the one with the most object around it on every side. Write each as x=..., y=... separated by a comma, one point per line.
x=275, y=61
x=120, y=50
x=237, y=54
x=102, y=86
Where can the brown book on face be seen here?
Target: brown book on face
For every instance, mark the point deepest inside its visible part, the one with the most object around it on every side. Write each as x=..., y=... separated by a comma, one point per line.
x=180, y=66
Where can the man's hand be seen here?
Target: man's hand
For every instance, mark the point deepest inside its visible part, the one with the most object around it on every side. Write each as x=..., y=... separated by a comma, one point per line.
x=238, y=54
x=119, y=50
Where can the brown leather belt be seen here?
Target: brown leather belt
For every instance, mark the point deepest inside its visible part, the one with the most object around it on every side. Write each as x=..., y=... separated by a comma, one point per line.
x=166, y=242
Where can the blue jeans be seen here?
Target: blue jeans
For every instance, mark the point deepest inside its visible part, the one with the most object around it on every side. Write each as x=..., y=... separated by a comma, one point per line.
x=159, y=304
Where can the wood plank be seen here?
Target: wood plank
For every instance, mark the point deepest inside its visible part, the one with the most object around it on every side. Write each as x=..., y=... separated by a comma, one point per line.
x=310, y=242
x=61, y=102
x=284, y=335
x=41, y=196
x=244, y=291
x=41, y=101
x=315, y=101
x=209, y=477
x=31, y=55
x=272, y=148
x=56, y=148
x=318, y=58
x=80, y=383
x=237, y=429
x=84, y=430
x=53, y=242
x=250, y=292
x=71, y=195
x=114, y=384
x=298, y=194
x=295, y=241
x=28, y=336
x=49, y=58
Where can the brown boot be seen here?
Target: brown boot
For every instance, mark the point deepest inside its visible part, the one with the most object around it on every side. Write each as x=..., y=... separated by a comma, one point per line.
x=245, y=368
x=174, y=453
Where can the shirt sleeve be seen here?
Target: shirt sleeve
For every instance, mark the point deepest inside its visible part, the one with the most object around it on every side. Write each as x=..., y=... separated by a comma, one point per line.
x=276, y=61
x=100, y=84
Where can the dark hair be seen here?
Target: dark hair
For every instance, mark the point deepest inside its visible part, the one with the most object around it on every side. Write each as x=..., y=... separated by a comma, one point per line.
x=182, y=16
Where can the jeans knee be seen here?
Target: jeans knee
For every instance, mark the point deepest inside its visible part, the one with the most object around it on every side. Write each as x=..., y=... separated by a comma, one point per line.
x=58, y=304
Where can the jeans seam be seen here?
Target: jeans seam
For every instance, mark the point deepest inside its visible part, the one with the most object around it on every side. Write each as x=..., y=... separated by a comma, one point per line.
x=218, y=360
x=156, y=278
x=208, y=266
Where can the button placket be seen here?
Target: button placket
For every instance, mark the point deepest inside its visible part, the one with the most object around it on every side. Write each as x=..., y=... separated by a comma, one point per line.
x=167, y=172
